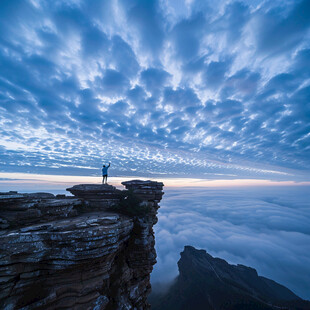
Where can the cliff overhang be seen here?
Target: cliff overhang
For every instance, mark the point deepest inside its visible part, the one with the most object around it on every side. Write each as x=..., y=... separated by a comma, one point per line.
x=81, y=252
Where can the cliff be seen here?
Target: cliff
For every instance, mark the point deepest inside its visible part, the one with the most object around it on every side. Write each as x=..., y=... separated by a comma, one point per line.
x=91, y=251
x=208, y=283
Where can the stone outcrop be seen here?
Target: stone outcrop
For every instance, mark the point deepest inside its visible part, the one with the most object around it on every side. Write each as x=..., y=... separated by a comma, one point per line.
x=208, y=283
x=145, y=190
x=64, y=252
x=96, y=195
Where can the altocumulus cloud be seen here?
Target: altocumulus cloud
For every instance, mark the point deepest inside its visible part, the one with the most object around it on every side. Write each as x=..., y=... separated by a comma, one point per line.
x=267, y=229
x=157, y=87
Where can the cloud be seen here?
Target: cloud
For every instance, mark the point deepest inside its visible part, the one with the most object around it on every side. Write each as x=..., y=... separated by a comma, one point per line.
x=113, y=83
x=123, y=57
x=242, y=84
x=221, y=88
x=214, y=73
x=94, y=42
x=147, y=19
x=154, y=79
x=235, y=18
x=293, y=24
x=262, y=228
x=186, y=36
x=180, y=98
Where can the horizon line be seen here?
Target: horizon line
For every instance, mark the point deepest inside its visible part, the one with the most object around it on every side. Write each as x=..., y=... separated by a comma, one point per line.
x=66, y=180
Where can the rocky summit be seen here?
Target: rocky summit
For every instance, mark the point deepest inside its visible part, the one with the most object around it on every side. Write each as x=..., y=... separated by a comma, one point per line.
x=208, y=283
x=80, y=252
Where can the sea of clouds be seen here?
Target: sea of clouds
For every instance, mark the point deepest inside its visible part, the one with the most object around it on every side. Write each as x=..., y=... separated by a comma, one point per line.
x=264, y=228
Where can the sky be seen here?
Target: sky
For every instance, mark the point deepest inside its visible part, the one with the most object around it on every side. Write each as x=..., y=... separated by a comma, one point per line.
x=194, y=93
x=266, y=228
x=215, y=90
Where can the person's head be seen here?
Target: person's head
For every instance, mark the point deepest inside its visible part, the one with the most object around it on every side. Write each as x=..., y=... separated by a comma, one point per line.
x=103, y=166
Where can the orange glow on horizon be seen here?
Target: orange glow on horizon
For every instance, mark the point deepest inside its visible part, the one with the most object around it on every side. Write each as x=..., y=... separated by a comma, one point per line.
x=25, y=178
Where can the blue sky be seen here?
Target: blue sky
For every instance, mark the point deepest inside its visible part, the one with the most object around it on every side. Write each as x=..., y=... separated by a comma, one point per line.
x=199, y=89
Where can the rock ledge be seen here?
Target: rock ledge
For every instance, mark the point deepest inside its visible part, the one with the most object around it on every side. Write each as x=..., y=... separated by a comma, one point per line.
x=73, y=252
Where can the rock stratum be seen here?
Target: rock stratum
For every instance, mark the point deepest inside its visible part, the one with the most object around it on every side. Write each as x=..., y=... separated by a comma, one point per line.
x=208, y=283
x=81, y=252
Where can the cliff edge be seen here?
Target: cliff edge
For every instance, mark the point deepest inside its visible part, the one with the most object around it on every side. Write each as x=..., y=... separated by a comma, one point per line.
x=91, y=251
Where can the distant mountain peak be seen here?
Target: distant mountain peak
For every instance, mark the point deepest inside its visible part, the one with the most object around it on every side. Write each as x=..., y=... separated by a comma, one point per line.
x=205, y=282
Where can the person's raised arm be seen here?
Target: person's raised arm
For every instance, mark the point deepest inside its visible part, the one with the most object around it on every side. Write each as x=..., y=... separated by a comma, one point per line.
x=109, y=164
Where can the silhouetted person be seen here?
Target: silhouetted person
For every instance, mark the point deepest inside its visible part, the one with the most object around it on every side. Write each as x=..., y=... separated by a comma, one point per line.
x=105, y=173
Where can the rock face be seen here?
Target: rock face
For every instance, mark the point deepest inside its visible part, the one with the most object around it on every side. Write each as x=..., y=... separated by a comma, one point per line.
x=206, y=283
x=96, y=195
x=59, y=252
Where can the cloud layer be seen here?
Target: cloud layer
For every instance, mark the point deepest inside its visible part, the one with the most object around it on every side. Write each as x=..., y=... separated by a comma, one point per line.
x=156, y=86
x=267, y=229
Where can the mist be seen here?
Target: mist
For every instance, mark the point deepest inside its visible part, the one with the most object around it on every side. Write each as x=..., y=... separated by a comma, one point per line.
x=267, y=228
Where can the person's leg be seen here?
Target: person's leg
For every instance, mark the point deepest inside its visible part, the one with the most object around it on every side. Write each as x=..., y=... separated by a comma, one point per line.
x=106, y=179
x=103, y=179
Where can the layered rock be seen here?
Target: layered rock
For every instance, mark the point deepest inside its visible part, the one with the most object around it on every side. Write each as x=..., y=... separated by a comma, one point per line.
x=96, y=195
x=18, y=210
x=76, y=252
x=146, y=190
x=205, y=282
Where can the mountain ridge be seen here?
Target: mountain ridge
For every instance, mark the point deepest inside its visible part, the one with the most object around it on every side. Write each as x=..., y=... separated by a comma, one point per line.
x=205, y=282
